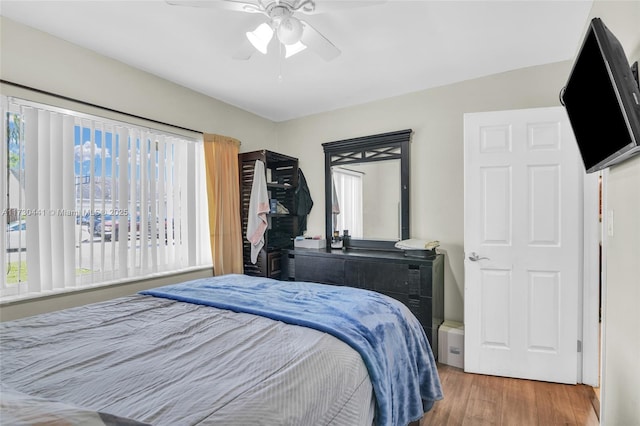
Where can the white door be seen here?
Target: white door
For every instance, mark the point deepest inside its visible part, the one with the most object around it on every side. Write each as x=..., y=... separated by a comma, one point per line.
x=523, y=244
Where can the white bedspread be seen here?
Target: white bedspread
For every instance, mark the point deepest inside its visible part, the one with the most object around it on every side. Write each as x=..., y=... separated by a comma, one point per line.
x=164, y=362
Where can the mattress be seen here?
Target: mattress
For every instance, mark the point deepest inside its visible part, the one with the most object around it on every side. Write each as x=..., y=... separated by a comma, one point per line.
x=166, y=362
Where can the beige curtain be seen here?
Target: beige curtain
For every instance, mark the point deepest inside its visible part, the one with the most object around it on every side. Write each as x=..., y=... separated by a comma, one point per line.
x=223, y=191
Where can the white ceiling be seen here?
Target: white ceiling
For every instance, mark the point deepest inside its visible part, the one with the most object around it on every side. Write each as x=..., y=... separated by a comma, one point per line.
x=388, y=49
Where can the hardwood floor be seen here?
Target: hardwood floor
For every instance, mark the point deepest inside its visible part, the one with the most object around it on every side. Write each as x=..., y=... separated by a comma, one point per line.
x=473, y=399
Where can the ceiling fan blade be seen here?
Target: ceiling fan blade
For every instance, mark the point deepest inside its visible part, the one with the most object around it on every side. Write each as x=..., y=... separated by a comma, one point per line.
x=324, y=6
x=318, y=43
x=233, y=5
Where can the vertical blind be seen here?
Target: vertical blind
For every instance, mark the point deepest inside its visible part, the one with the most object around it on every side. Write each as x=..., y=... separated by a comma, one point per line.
x=92, y=201
x=348, y=187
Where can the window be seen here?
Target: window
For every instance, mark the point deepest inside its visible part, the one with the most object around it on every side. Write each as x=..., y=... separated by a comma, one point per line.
x=348, y=192
x=92, y=201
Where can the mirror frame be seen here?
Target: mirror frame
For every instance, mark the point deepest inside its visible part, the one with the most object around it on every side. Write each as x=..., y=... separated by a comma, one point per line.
x=380, y=147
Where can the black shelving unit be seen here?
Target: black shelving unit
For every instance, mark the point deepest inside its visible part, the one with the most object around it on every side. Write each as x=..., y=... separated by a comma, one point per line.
x=282, y=181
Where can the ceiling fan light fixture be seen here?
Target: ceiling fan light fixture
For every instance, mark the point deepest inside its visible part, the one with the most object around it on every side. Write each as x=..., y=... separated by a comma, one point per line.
x=292, y=49
x=260, y=37
x=289, y=31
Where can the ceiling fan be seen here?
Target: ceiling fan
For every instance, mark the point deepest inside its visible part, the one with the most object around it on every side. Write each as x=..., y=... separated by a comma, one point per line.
x=293, y=33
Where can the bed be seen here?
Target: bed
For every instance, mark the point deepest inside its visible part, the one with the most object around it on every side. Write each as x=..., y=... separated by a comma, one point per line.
x=229, y=350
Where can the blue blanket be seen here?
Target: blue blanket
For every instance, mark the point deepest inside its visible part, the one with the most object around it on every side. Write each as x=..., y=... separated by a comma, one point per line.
x=389, y=338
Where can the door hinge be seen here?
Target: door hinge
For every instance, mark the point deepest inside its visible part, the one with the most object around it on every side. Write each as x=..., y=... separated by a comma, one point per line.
x=579, y=345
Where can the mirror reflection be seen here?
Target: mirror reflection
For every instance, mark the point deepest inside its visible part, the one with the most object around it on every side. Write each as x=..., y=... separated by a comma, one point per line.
x=371, y=197
x=366, y=200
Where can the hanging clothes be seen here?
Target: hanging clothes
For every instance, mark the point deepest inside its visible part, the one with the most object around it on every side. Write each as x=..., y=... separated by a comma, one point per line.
x=335, y=203
x=258, y=209
x=304, y=202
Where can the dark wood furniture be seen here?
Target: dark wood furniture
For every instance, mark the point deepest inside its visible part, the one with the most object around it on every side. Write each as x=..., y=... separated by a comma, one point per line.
x=282, y=181
x=375, y=264
x=416, y=282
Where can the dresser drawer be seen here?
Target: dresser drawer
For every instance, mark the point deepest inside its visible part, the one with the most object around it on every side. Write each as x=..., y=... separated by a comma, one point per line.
x=274, y=264
x=421, y=308
x=319, y=269
x=392, y=277
x=417, y=283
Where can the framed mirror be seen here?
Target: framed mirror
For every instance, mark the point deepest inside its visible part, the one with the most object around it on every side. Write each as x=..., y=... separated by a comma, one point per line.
x=367, y=189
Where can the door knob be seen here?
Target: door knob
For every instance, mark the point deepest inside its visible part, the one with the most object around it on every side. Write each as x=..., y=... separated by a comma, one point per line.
x=474, y=257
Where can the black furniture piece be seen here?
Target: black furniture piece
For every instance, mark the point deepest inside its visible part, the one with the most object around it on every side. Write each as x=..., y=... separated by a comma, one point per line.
x=371, y=263
x=282, y=180
x=416, y=282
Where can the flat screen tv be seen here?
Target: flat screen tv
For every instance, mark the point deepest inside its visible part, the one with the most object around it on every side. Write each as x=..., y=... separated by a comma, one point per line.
x=602, y=100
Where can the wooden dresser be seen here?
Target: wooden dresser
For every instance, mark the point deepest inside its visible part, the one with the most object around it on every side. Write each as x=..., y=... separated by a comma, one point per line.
x=416, y=282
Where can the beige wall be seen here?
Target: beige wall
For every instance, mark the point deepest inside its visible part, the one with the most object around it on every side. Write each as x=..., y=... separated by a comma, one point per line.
x=621, y=294
x=621, y=309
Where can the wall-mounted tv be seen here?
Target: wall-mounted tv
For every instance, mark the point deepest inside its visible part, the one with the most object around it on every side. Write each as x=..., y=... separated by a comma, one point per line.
x=602, y=99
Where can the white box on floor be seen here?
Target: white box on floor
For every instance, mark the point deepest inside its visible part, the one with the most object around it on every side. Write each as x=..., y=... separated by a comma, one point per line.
x=451, y=344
